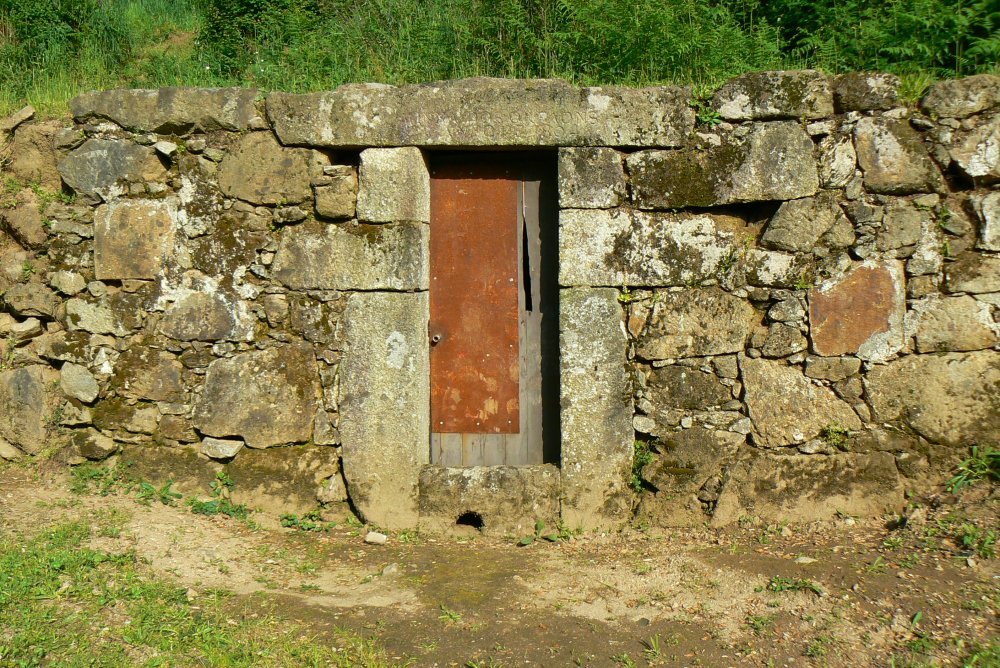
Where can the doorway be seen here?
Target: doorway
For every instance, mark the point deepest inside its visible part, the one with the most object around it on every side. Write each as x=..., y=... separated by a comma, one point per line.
x=494, y=331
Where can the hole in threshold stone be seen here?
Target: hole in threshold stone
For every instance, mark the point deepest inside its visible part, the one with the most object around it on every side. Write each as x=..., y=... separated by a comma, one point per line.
x=470, y=519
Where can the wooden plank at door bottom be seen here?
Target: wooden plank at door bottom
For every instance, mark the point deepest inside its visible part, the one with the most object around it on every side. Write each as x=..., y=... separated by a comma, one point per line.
x=450, y=449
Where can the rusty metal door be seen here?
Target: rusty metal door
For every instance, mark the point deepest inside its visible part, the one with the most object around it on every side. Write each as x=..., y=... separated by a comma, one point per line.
x=485, y=383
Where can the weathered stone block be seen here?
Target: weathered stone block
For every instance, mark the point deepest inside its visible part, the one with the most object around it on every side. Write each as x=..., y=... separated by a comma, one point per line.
x=93, y=318
x=902, y=226
x=837, y=161
x=509, y=499
x=385, y=394
x=865, y=91
x=987, y=207
x=977, y=152
x=484, y=112
x=133, y=238
x=770, y=95
x=262, y=171
x=93, y=445
x=893, y=158
x=616, y=247
x=783, y=340
x=952, y=398
x=101, y=165
x=786, y=408
x=25, y=403
x=31, y=156
x=596, y=402
x=336, y=194
x=958, y=98
x=954, y=324
x=201, y=316
x=974, y=273
x=773, y=161
x=394, y=185
x=353, y=257
x=685, y=388
x=268, y=397
x=220, y=448
x=144, y=373
x=859, y=313
x=591, y=178
x=169, y=110
x=77, y=382
x=31, y=299
x=695, y=323
x=832, y=368
x=317, y=321
x=809, y=488
x=798, y=224
x=24, y=220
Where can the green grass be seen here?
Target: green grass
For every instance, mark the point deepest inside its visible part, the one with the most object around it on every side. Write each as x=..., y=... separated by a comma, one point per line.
x=51, y=50
x=64, y=603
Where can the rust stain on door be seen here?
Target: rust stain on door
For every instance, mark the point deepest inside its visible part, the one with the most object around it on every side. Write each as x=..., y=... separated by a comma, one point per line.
x=474, y=330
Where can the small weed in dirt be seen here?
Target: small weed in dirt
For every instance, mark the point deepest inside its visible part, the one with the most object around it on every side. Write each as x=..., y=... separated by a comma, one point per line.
x=311, y=521
x=761, y=624
x=778, y=583
x=100, y=480
x=623, y=660
x=448, y=615
x=983, y=464
x=146, y=493
x=220, y=504
x=538, y=535
x=818, y=646
x=984, y=656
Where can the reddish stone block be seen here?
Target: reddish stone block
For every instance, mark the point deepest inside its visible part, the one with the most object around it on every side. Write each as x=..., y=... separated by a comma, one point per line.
x=860, y=313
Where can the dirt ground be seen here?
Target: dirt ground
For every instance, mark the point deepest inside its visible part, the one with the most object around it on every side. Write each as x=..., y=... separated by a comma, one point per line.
x=847, y=592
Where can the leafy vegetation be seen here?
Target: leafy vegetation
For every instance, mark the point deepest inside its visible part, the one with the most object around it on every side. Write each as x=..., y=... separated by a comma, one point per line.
x=50, y=50
x=65, y=603
x=983, y=464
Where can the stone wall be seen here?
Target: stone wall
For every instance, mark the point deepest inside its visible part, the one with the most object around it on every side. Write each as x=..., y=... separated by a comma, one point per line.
x=791, y=300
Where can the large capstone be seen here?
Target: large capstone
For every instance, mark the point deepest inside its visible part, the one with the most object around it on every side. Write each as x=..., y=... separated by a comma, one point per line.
x=169, y=110
x=100, y=167
x=267, y=397
x=262, y=171
x=893, y=158
x=859, y=313
x=786, y=408
x=952, y=398
x=810, y=488
x=484, y=112
x=384, y=419
x=352, y=256
x=771, y=161
x=596, y=408
x=695, y=323
x=132, y=238
x=769, y=95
